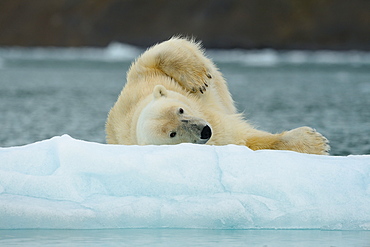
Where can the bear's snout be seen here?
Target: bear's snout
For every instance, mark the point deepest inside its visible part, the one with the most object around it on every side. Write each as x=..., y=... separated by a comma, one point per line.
x=206, y=133
x=194, y=130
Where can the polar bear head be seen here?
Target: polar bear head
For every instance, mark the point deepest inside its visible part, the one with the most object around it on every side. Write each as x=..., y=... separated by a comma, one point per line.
x=171, y=118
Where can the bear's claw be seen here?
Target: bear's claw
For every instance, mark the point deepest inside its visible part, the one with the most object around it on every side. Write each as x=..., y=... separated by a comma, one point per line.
x=194, y=83
x=203, y=88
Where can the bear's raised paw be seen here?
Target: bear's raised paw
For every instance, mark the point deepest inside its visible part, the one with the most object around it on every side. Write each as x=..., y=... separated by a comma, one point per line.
x=184, y=62
x=198, y=81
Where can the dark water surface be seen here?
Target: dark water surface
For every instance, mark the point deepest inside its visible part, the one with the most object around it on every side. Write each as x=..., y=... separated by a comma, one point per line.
x=49, y=92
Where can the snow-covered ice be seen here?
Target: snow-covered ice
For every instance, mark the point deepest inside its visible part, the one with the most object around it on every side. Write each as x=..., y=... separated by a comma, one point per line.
x=74, y=184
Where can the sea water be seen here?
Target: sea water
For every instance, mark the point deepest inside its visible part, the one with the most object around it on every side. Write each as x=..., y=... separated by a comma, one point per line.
x=46, y=92
x=184, y=238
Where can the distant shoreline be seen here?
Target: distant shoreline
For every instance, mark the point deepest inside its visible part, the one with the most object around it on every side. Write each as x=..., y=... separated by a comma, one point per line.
x=222, y=24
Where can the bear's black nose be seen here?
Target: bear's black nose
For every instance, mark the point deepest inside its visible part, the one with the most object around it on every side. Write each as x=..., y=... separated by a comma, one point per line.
x=206, y=133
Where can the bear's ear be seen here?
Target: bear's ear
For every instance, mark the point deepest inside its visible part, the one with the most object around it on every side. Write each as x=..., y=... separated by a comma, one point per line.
x=159, y=91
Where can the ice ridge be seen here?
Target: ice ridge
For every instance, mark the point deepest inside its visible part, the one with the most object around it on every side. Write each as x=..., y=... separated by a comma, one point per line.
x=72, y=184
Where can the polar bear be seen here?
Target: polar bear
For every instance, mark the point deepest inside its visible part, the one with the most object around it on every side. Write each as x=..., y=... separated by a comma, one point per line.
x=175, y=94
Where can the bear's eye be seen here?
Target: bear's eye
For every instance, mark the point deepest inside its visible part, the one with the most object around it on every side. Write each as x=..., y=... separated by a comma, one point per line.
x=172, y=134
x=181, y=111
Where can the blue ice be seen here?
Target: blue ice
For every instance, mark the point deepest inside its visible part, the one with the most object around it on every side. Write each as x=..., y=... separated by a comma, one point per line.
x=64, y=183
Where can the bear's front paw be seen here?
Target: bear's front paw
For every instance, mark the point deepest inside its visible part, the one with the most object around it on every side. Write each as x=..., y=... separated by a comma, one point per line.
x=306, y=140
x=197, y=81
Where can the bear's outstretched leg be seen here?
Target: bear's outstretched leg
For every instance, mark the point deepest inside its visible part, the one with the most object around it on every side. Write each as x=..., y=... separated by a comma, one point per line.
x=303, y=140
